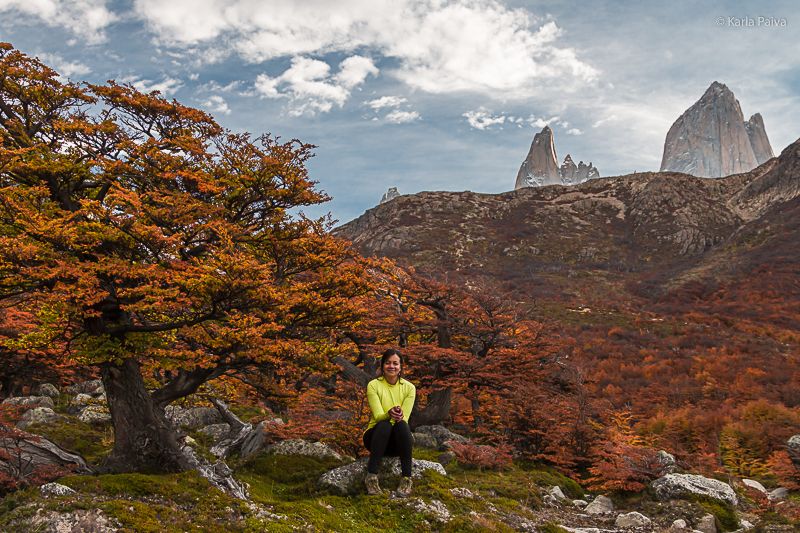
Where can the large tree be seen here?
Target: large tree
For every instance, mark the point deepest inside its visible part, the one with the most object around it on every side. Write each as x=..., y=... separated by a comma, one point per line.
x=137, y=233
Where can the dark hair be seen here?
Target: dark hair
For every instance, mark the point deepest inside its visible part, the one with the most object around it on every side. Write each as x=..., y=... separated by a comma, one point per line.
x=387, y=354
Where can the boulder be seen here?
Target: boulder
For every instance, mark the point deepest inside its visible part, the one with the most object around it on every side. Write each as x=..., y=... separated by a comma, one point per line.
x=38, y=415
x=92, y=387
x=667, y=462
x=349, y=478
x=47, y=389
x=217, y=432
x=632, y=519
x=779, y=494
x=441, y=434
x=679, y=525
x=580, y=504
x=707, y=524
x=753, y=484
x=95, y=414
x=793, y=447
x=55, y=489
x=679, y=485
x=600, y=505
x=425, y=440
x=193, y=417
x=557, y=493
x=303, y=447
x=29, y=402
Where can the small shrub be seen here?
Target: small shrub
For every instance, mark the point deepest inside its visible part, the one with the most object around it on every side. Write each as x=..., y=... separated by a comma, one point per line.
x=481, y=456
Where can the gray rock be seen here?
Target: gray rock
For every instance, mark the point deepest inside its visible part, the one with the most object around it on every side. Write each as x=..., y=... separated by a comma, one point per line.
x=707, y=524
x=746, y=525
x=391, y=194
x=434, y=510
x=349, y=479
x=678, y=485
x=93, y=387
x=81, y=399
x=55, y=489
x=29, y=402
x=95, y=414
x=600, y=505
x=303, y=447
x=793, y=447
x=47, y=389
x=441, y=434
x=217, y=432
x=425, y=440
x=753, y=484
x=632, y=519
x=445, y=458
x=667, y=462
x=550, y=500
x=557, y=493
x=580, y=504
x=679, y=525
x=38, y=415
x=193, y=417
x=779, y=494
x=463, y=492
x=83, y=520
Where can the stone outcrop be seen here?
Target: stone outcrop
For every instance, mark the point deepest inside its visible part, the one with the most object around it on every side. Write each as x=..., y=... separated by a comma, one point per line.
x=632, y=519
x=711, y=139
x=758, y=139
x=349, y=479
x=318, y=450
x=600, y=505
x=389, y=195
x=541, y=165
x=680, y=485
x=33, y=451
x=440, y=434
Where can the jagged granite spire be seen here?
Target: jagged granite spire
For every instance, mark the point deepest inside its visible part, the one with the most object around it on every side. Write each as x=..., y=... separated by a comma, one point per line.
x=389, y=195
x=541, y=165
x=711, y=139
x=758, y=138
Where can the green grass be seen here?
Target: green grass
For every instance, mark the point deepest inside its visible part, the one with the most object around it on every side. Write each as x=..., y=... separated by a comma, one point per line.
x=91, y=442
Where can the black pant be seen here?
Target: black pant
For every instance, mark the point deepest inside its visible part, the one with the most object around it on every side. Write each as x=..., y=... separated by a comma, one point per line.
x=391, y=440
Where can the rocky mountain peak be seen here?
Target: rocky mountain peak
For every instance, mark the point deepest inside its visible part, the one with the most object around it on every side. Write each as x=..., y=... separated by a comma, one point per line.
x=389, y=195
x=711, y=139
x=541, y=165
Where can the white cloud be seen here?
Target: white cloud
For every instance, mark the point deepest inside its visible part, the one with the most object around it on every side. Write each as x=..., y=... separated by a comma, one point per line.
x=67, y=69
x=217, y=104
x=483, y=119
x=402, y=117
x=386, y=101
x=310, y=87
x=437, y=46
x=87, y=18
x=166, y=87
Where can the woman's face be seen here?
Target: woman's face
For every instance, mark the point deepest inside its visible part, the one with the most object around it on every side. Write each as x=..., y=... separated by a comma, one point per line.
x=392, y=366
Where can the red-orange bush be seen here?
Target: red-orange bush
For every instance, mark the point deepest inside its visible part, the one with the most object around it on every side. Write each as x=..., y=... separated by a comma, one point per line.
x=481, y=455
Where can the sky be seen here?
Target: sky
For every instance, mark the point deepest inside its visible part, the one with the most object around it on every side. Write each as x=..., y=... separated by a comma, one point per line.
x=432, y=94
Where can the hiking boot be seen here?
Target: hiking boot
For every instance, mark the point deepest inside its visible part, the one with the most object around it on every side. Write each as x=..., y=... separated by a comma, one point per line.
x=373, y=488
x=404, y=489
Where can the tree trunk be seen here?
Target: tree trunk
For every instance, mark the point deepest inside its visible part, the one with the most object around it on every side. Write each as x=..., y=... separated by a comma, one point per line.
x=143, y=439
x=436, y=411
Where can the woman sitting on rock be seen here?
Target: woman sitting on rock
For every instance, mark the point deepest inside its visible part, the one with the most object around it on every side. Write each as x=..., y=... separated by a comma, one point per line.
x=391, y=399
